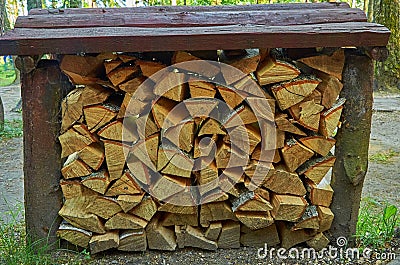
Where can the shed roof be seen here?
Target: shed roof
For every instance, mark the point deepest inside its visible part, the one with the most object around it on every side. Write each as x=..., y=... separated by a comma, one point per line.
x=169, y=28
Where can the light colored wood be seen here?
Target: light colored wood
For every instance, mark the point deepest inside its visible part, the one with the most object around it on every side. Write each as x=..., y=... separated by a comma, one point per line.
x=117, y=132
x=74, y=212
x=240, y=116
x=122, y=74
x=318, y=242
x=295, y=154
x=287, y=207
x=285, y=125
x=207, y=178
x=72, y=141
x=314, y=96
x=318, y=144
x=97, y=181
x=291, y=238
x=190, y=236
x=179, y=165
x=111, y=65
x=81, y=69
x=104, y=207
x=325, y=216
x=160, y=237
x=146, y=209
x=115, y=158
x=170, y=219
x=149, y=68
x=162, y=108
x=230, y=235
x=213, y=231
x=273, y=71
x=147, y=150
x=126, y=58
x=125, y=221
x=132, y=85
x=167, y=186
x=125, y=185
x=205, y=147
x=258, y=238
x=309, y=115
x=273, y=138
x=100, y=243
x=216, y=195
x=255, y=220
x=177, y=209
x=232, y=98
x=211, y=127
x=282, y=181
x=173, y=86
x=133, y=240
x=292, y=92
x=131, y=106
x=139, y=170
x=246, y=64
x=330, y=88
x=146, y=126
x=93, y=155
x=71, y=109
x=309, y=220
x=330, y=119
x=216, y=211
x=264, y=108
x=319, y=195
x=316, y=169
x=249, y=137
x=99, y=115
x=200, y=108
x=127, y=202
x=74, y=235
x=266, y=155
x=227, y=157
x=201, y=89
x=204, y=68
x=332, y=65
x=182, y=135
x=250, y=201
x=74, y=188
x=74, y=167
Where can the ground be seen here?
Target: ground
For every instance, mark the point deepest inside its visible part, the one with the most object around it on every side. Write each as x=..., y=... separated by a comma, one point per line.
x=381, y=185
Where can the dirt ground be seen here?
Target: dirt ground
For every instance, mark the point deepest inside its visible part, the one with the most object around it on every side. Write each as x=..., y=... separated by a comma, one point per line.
x=382, y=182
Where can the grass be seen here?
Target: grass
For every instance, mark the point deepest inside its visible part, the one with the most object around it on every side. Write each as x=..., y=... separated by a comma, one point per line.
x=7, y=74
x=384, y=157
x=11, y=129
x=376, y=224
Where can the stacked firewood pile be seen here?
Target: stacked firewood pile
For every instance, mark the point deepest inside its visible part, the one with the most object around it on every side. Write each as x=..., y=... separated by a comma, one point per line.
x=175, y=149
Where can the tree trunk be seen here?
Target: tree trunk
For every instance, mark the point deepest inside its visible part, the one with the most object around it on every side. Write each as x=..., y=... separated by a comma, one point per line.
x=1, y=115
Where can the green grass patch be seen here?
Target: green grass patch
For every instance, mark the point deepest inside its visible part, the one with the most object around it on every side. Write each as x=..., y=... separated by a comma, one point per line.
x=11, y=129
x=376, y=224
x=7, y=74
x=384, y=157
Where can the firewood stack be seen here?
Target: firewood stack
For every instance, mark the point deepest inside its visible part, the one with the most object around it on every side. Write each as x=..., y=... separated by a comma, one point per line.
x=140, y=175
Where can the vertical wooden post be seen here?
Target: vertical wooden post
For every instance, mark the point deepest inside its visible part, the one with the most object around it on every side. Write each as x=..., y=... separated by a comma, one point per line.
x=352, y=144
x=42, y=90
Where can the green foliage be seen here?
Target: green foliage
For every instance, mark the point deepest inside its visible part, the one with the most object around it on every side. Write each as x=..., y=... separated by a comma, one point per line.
x=383, y=157
x=11, y=129
x=376, y=228
x=7, y=73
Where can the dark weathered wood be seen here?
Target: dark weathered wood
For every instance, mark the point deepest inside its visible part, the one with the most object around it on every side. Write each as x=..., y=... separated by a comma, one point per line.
x=352, y=144
x=379, y=54
x=193, y=19
x=42, y=90
x=130, y=39
x=163, y=9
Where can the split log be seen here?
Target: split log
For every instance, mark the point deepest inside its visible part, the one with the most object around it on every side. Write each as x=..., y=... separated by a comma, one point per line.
x=264, y=108
x=318, y=242
x=246, y=63
x=72, y=141
x=230, y=235
x=133, y=240
x=330, y=88
x=105, y=207
x=292, y=92
x=167, y=186
x=282, y=181
x=146, y=209
x=285, y=125
x=201, y=89
x=97, y=181
x=127, y=202
x=171, y=219
x=231, y=97
x=162, y=108
x=266, y=155
x=316, y=169
x=325, y=216
x=177, y=209
x=99, y=115
x=126, y=58
x=173, y=86
x=122, y=74
x=193, y=237
x=319, y=195
x=147, y=122
x=74, y=167
x=116, y=131
x=74, y=188
x=149, y=68
x=309, y=220
x=132, y=85
x=250, y=201
x=216, y=211
x=200, y=108
x=207, y=178
x=125, y=185
x=273, y=71
x=125, y=221
x=74, y=235
x=111, y=65
x=115, y=158
x=287, y=207
x=295, y=154
x=227, y=157
x=211, y=127
x=332, y=65
x=99, y=243
x=255, y=220
x=74, y=212
x=140, y=171
x=290, y=238
x=92, y=155
x=205, y=68
x=182, y=135
x=213, y=231
x=179, y=165
x=330, y=119
x=160, y=237
x=308, y=114
x=82, y=70
x=318, y=144
x=258, y=238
